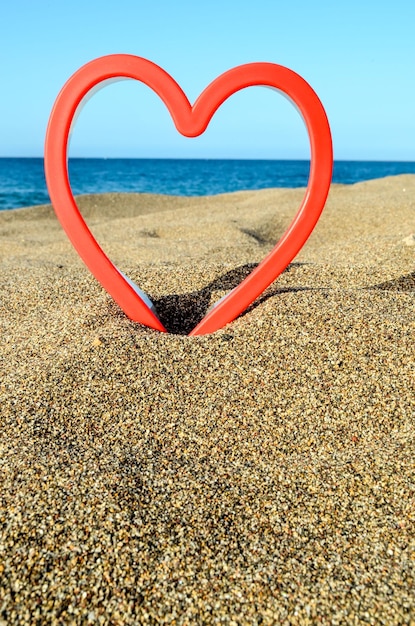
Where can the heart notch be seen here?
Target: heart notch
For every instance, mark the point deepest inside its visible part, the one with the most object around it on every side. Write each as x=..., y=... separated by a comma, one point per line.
x=191, y=121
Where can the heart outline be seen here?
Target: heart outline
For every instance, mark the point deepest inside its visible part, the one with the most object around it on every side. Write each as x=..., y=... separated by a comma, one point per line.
x=191, y=121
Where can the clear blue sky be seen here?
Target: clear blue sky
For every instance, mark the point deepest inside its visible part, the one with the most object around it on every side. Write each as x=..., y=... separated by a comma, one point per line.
x=358, y=55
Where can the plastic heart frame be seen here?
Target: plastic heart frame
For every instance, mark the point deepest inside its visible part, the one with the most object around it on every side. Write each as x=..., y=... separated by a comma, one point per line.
x=190, y=121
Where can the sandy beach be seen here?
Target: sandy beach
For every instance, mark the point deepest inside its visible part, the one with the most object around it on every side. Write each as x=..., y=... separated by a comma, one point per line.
x=264, y=474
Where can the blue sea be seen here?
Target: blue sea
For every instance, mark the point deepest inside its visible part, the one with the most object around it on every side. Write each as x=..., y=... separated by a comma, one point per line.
x=22, y=181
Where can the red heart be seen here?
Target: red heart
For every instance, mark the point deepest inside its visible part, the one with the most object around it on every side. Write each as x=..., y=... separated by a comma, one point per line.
x=190, y=121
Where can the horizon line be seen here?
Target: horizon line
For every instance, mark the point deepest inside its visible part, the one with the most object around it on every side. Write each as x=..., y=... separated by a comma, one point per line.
x=130, y=158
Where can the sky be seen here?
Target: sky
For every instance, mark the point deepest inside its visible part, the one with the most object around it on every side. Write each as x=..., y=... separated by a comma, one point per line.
x=359, y=57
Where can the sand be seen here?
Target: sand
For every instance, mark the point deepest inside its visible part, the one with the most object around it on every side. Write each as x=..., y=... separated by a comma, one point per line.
x=264, y=474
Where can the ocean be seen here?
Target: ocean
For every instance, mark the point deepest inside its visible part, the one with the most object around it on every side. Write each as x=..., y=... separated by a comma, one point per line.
x=22, y=180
